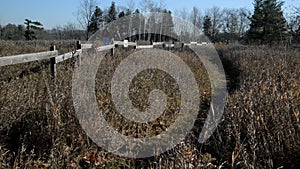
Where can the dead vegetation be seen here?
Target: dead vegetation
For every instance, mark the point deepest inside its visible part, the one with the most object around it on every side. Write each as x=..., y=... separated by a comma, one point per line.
x=260, y=126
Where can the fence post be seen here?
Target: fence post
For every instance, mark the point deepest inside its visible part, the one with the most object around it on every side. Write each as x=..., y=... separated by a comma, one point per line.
x=78, y=47
x=52, y=62
x=78, y=44
x=125, y=43
x=112, y=50
x=135, y=46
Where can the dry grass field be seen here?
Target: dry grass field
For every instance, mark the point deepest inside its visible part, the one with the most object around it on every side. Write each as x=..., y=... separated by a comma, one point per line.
x=260, y=127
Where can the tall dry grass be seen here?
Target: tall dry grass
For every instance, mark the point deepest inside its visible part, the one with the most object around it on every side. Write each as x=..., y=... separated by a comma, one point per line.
x=261, y=120
x=259, y=129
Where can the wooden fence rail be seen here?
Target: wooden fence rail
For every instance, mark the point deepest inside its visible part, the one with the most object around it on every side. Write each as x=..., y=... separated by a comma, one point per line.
x=55, y=58
x=23, y=58
x=53, y=55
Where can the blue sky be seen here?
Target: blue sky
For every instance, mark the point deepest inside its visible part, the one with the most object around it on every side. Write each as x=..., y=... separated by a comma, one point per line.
x=60, y=12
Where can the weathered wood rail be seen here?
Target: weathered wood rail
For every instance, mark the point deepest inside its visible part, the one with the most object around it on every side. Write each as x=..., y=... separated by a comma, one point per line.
x=23, y=58
x=55, y=58
x=53, y=55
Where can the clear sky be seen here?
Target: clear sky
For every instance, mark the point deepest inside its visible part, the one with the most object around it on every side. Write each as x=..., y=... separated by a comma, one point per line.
x=60, y=12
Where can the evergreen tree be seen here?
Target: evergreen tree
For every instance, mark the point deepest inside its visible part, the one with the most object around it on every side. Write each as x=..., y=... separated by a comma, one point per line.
x=207, y=26
x=268, y=24
x=96, y=20
x=275, y=23
x=12, y=32
x=112, y=13
x=121, y=14
x=30, y=27
x=137, y=11
x=257, y=21
x=20, y=32
x=128, y=12
x=9, y=31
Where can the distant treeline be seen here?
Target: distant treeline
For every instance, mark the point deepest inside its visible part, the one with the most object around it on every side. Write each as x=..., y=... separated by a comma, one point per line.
x=17, y=32
x=265, y=25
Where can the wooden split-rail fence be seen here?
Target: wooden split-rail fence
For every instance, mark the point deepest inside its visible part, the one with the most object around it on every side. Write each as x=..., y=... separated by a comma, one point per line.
x=55, y=58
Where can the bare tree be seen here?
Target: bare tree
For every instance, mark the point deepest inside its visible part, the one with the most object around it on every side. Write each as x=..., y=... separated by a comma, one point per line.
x=297, y=9
x=297, y=12
x=234, y=23
x=85, y=13
x=58, y=32
x=294, y=25
x=147, y=5
x=216, y=15
x=70, y=31
x=181, y=28
x=230, y=21
x=194, y=15
x=196, y=19
x=243, y=21
x=295, y=19
x=161, y=5
x=0, y=31
x=131, y=5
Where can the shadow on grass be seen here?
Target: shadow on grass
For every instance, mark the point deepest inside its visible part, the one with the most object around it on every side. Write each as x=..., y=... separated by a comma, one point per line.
x=31, y=133
x=232, y=74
